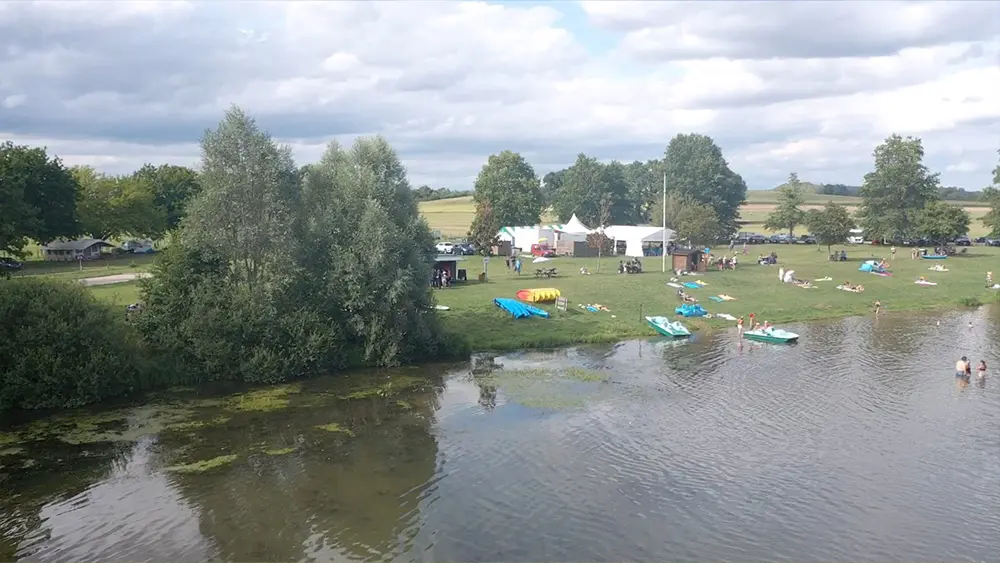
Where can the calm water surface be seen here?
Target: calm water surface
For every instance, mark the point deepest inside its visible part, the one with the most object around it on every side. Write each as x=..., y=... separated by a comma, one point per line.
x=856, y=444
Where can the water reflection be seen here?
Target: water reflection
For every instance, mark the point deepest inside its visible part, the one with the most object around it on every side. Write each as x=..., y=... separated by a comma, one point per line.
x=701, y=449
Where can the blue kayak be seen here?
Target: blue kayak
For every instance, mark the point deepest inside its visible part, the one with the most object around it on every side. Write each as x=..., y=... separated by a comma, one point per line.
x=519, y=310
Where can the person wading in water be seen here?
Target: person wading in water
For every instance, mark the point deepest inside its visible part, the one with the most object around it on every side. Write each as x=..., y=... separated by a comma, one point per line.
x=878, y=307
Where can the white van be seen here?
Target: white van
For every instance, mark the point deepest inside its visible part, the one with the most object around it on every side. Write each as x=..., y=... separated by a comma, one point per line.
x=856, y=236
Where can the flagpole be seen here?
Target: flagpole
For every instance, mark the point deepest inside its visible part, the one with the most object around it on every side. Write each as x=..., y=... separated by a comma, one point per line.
x=664, y=252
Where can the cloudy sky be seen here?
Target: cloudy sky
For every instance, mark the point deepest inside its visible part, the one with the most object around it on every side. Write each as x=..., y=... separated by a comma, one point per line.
x=810, y=87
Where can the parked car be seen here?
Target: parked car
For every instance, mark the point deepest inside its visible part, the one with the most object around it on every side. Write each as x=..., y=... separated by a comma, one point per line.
x=807, y=239
x=780, y=238
x=445, y=247
x=464, y=248
x=963, y=241
x=9, y=264
x=993, y=242
x=542, y=250
x=756, y=239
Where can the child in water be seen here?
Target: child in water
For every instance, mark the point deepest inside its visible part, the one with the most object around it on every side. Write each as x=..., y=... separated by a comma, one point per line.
x=981, y=369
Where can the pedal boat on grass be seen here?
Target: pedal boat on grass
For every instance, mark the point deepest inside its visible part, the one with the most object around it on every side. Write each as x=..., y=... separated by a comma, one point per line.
x=772, y=335
x=667, y=327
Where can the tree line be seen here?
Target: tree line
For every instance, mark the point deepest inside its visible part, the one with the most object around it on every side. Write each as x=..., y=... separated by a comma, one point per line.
x=703, y=193
x=427, y=193
x=274, y=272
x=43, y=200
x=901, y=199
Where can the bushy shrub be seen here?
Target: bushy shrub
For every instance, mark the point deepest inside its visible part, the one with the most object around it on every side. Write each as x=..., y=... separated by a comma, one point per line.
x=60, y=347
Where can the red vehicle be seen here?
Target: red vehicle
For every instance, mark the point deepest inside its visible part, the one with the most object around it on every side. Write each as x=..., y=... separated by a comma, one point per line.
x=542, y=250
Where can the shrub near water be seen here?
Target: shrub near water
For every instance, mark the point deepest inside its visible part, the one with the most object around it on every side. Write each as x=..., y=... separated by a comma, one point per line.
x=60, y=347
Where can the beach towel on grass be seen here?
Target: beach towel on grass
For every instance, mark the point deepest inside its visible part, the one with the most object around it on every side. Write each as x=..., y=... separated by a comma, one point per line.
x=691, y=285
x=672, y=284
x=701, y=283
x=717, y=299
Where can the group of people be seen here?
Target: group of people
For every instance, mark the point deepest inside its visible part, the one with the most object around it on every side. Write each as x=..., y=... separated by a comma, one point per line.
x=441, y=278
x=514, y=264
x=769, y=260
x=632, y=266
x=753, y=324
x=963, y=370
x=724, y=263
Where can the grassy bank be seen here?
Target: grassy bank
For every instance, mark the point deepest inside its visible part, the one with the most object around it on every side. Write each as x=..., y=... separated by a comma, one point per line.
x=757, y=289
x=473, y=317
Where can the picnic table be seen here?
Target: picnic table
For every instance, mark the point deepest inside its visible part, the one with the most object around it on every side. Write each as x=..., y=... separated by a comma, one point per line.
x=545, y=273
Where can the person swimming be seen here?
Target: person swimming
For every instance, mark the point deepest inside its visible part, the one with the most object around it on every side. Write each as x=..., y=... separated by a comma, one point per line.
x=962, y=367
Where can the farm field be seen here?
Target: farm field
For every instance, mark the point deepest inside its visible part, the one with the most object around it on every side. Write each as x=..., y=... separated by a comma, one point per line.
x=452, y=217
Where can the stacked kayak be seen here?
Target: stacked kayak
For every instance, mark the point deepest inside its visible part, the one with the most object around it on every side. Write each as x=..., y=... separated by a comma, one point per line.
x=691, y=310
x=545, y=295
x=519, y=310
x=774, y=335
x=667, y=327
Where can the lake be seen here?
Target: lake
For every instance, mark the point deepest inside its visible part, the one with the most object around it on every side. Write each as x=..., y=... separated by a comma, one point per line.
x=855, y=444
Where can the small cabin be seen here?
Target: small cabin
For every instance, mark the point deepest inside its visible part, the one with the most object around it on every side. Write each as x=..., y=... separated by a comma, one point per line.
x=687, y=259
x=449, y=262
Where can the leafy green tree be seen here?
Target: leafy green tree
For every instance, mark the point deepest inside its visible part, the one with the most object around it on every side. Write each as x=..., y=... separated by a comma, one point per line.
x=941, y=221
x=589, y=184
x=37, y=198
x=695, y=168
x=511, y=187
x=112, y=206
x=644, y=182
x=991, y=195
x=697, y=223
x=551, y=184
x=830, y=225
x=172, y=187
x=245, y=214
x=485, y=230
x=896, y=191
x=788, y=214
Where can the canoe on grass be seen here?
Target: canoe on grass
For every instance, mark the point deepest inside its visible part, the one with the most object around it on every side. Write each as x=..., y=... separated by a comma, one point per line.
x=774, y=335
x=667, y=327
x=519, y=310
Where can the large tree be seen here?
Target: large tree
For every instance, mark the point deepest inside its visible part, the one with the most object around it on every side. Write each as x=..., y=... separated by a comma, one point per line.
x=589, y=184
x=788, y=214
x=485, y=229
x=695, y=168
x=697, y=223
x=896, y=191
x=991, y=195
x=37, y=198
x=172, y=187
x=511, y=187
x=830, y=225
x=551, y=184
x=113, y=206
x=644, y=181
x=941, y=221
x=245, y=214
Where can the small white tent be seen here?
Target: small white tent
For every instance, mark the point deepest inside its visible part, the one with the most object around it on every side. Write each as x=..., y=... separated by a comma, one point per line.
x=635, y=236
x=573, y=230
x=524, y=237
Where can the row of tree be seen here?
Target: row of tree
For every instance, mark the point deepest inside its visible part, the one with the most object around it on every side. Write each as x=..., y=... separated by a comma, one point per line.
x=42, y=200
x=901, y=199
x=703, y=194
x=274, y=272
x=427, y=193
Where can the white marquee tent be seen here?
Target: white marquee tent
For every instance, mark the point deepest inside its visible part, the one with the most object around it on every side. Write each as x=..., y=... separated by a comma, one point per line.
x=635, y=236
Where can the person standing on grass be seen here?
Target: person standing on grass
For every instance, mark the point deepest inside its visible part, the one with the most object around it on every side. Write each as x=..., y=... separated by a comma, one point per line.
x=892, y=252
x=517, y=265
x=878, y=307
x=989, y=279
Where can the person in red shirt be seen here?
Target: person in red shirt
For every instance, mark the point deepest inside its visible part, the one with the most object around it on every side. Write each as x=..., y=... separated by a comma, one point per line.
x=753, y=319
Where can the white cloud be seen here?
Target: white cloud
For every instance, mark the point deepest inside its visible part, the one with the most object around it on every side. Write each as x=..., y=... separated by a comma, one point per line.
x=810, y=87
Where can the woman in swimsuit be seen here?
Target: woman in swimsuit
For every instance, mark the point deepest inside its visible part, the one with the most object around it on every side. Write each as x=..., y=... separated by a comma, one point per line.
x=981, y=369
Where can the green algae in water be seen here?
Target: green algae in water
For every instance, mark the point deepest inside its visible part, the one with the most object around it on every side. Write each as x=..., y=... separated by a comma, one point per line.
x=394, y=386
x=203, y=466
x=11, y=451
x=263, y=400
x=546, y=388
x=404, y=405
x=334, y=427
x=279, y=451
x=196, y=424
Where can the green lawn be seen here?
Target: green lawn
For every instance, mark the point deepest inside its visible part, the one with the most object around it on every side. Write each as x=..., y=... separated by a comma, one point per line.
x=757, y=289
x=91, y=269
x=118, y=294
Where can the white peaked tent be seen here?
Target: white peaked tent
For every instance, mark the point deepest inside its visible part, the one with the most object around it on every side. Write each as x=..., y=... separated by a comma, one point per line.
x=575, y=227
x=634, y=236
